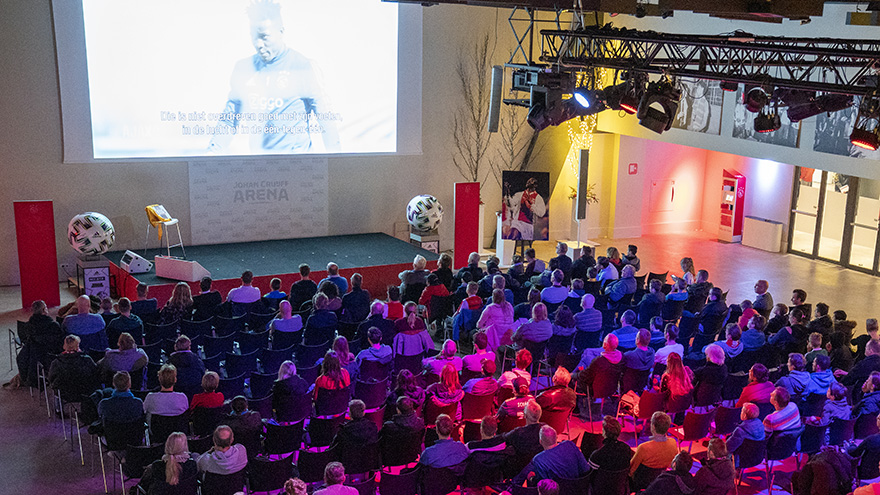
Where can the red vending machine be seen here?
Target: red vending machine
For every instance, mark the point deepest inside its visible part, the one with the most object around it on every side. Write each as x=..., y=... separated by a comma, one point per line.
x=733, y=194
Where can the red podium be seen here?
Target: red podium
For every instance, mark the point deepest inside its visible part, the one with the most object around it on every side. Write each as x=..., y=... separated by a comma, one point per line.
x=37, y=256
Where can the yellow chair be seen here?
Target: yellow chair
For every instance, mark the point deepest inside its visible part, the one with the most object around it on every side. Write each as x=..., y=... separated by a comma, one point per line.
x=158, y=218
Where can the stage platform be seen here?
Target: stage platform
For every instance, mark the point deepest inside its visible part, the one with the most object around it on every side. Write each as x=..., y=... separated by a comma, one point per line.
x=378, y=257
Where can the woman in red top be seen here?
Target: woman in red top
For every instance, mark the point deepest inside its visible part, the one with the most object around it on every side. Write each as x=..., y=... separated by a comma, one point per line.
x=333, y=375
x=210, y=398
x=434, y=288
x=759, y=388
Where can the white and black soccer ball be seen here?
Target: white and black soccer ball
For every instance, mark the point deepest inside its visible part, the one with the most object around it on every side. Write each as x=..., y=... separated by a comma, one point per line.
x=424, y=213
x=91, y=233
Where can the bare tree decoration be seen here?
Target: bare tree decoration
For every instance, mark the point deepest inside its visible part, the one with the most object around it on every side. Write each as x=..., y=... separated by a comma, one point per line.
x=470, y=136
x=517, y=142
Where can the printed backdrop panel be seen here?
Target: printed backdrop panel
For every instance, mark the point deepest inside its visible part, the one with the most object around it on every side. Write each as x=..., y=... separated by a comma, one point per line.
x=257, y=200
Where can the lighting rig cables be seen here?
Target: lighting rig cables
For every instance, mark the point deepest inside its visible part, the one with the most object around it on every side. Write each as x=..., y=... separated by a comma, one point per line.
x=807, y=75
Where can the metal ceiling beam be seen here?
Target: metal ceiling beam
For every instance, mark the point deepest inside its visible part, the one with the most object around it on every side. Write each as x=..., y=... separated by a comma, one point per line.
x=811, y=64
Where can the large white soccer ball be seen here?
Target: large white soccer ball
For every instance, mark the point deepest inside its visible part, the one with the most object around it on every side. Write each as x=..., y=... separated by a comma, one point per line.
x=91, y=233
x=424, y=213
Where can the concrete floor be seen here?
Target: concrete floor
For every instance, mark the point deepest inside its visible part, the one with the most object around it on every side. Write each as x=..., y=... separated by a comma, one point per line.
x=35, y=459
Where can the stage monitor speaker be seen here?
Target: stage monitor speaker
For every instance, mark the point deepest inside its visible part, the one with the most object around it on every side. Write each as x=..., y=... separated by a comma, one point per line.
x=583, y=165
x=180, y=269
x=495, y=97
x=135, y=263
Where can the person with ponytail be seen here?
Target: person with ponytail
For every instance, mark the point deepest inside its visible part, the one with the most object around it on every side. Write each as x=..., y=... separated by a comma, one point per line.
x=412, y=336
x=174, y=468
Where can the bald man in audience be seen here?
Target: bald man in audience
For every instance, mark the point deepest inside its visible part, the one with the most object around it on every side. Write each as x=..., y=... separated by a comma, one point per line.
x=333, y=276
x=87, y=326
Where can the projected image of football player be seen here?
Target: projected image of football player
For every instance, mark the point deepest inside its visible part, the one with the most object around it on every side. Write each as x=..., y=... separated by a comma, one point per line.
x=522, y=208
x=281, y=83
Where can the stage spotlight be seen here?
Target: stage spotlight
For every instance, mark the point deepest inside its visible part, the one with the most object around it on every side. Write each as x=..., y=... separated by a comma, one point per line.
x=767, y=120
x=870, y=140
x=585, y=97
x=665, y=95
x=866, y=131
x=829, y=102
x=626, y=95
x=729, y=85
x=548, y=108
x=755, y=98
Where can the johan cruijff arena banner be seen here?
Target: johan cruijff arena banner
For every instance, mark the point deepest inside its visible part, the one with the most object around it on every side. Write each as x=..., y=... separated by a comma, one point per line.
x=241, y=77
x=241, y=200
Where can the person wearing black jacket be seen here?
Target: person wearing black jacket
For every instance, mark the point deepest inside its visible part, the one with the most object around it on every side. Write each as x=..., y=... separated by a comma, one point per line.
x=709, y=379
x=288, y=393
x=42, y=335
x=73, y=373
x=677, y=481
x=357, y=433
x=862, y=369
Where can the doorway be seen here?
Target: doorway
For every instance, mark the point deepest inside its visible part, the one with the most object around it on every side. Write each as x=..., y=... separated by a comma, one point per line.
x=824, y=224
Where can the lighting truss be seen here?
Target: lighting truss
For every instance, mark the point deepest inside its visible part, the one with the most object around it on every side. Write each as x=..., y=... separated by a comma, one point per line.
x=812, y=64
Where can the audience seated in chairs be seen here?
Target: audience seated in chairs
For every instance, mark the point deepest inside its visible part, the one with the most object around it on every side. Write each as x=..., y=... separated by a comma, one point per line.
x=73, y=372
x=608, y=364
x=559, y=397
x=556, y=293
x=334, y=477
x=588, y=323
x=716, y=474
x=247, y=425
x=412, y=336
x=288, y=393
x=356, y=433
x=676, y=481
x=524, y=440
x=434, y=288
x=671, y=346
x=751, y=427
x=377, y=351
x=166, y=402
x=642, y=357
x=624, y=286
x=321, y=325
x=835, y=408
x=448, y=390
x=42, y=337
x=122, y=406
x=489, y=440
x=276, y=293
x=786, y=417
x=558, y=460
x=206, y=302
x=333, y=293
x=627, y=333
x=516, y=405
x=144, y=305
x=822, y=377
x=797, y=379
x=467, y=315
x=125, y=322
x=245, y=293
x=189, y=366
x=209, y=397
x=660, y=450
x=709, y=379
x=179, y=306
x=417, y=277
x=651, y=304
x=473, y=362
x=176, y=468
x=287, y=322
x=226, y=456
x=753, y=338
x=485, y=384
x=759, y=389
x=404, y=422
x=676, y=384
x=356, y=303
x=435, y=364
x=377, y=320
x=698, y=292
x=522, y=361
x=496, y=322
x=304, y=289
x=126, y=357
x=731, y=346
x=393, y=306
x=537, y=330
x=614, y=455
x=870, y=402
x=406, y=385
x=89, y=327
x=445, y=452
x=333, y=376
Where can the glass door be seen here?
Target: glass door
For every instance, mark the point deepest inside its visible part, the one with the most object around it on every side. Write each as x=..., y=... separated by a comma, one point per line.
x=805, y=225
x=865, y=232
x=833, y=214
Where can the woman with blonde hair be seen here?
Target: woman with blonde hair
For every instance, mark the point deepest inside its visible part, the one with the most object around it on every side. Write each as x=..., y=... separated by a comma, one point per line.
x=179, y=306
x=689, y=274
x=175, y=468
x=447, y=390
x=288, y=393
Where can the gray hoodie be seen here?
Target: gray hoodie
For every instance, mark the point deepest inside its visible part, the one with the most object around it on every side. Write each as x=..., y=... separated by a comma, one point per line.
x=229, y=462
